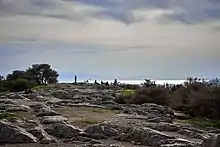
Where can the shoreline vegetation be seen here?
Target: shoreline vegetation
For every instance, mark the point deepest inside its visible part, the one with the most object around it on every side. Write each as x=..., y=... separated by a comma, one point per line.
x=197, y=98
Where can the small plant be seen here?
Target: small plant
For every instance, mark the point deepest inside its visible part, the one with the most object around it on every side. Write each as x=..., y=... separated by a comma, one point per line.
x=127, y=92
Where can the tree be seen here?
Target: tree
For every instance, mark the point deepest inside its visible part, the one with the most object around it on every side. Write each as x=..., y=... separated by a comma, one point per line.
x=42, y=74
x=15, y=75
x=4, y=84
x=1, y=83
x=1, y=78
x=149, y=83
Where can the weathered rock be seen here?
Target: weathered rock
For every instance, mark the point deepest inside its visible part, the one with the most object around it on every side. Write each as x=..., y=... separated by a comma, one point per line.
x=166, y=127
x=16, y=96
x=53, y=119
x=21, y=108
x=193, y=132
x=85, y=105
x=151, y=113
x=37, y=105
x=102, y=130
x=179, y=143
x=5, y=101
x=145, y=136
x=182, y=116
x=113, y=106
x=42, y=135
x=98, y=145
x=114, y=145
x=86, y=139
x=213, y=141
x=62, y=94
x=2, y=97
x=46, y=111
x=63, y=130
x=10, y=133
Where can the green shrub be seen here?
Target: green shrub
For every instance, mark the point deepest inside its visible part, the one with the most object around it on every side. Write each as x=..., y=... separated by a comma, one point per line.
x=123, y=99
x=157, y=95
x=41, y=88
x=20, y=85
x=127, y=92
x=195, y=99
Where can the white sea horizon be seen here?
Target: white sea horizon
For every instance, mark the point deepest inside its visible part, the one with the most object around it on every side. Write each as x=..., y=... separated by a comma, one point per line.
x=135, y=82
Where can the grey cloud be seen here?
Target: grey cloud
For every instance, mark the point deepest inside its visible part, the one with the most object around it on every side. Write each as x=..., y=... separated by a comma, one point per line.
x=54, y=9
x=193, y=11
x=121, y=10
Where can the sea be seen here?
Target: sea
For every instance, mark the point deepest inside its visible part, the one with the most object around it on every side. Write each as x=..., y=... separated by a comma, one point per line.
x=135, y=82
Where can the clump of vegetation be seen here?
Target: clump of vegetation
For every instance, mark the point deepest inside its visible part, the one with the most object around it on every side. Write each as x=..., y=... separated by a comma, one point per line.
x=8, y=116
x=203, y=123
x=37, y=74
x=20, y=85
x=127, y=92
x=144, y=95
x=155, y=95
x=194, y=98
x=41, y=88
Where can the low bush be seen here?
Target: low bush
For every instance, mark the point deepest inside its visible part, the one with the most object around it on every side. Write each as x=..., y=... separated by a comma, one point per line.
x=196, y=100
x=20, y=85
x=157, y=95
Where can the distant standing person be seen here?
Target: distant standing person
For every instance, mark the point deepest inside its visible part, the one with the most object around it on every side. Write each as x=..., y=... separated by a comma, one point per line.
x=75, y=79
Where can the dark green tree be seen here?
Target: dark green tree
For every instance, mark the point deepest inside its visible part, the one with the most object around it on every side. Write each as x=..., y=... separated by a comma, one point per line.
x=42, y=74
x=148, y=83
x=1, y=78
x=1, y=83
x=15, y=75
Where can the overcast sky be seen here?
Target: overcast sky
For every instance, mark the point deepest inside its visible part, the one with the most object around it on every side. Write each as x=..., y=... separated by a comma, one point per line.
x=106, y=39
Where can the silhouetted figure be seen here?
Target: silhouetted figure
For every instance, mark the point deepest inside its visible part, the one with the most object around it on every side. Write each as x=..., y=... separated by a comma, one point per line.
x=115, y=82
x=102, y=83
x=75, y=79
x=96, y=83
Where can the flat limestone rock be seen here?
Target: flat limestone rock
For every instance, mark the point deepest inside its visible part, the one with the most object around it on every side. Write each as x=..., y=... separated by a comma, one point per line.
x=53, y=119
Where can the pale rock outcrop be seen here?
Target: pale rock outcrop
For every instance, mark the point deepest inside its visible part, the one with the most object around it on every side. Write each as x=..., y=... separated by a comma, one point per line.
x=53, y=119
x=10, y=133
